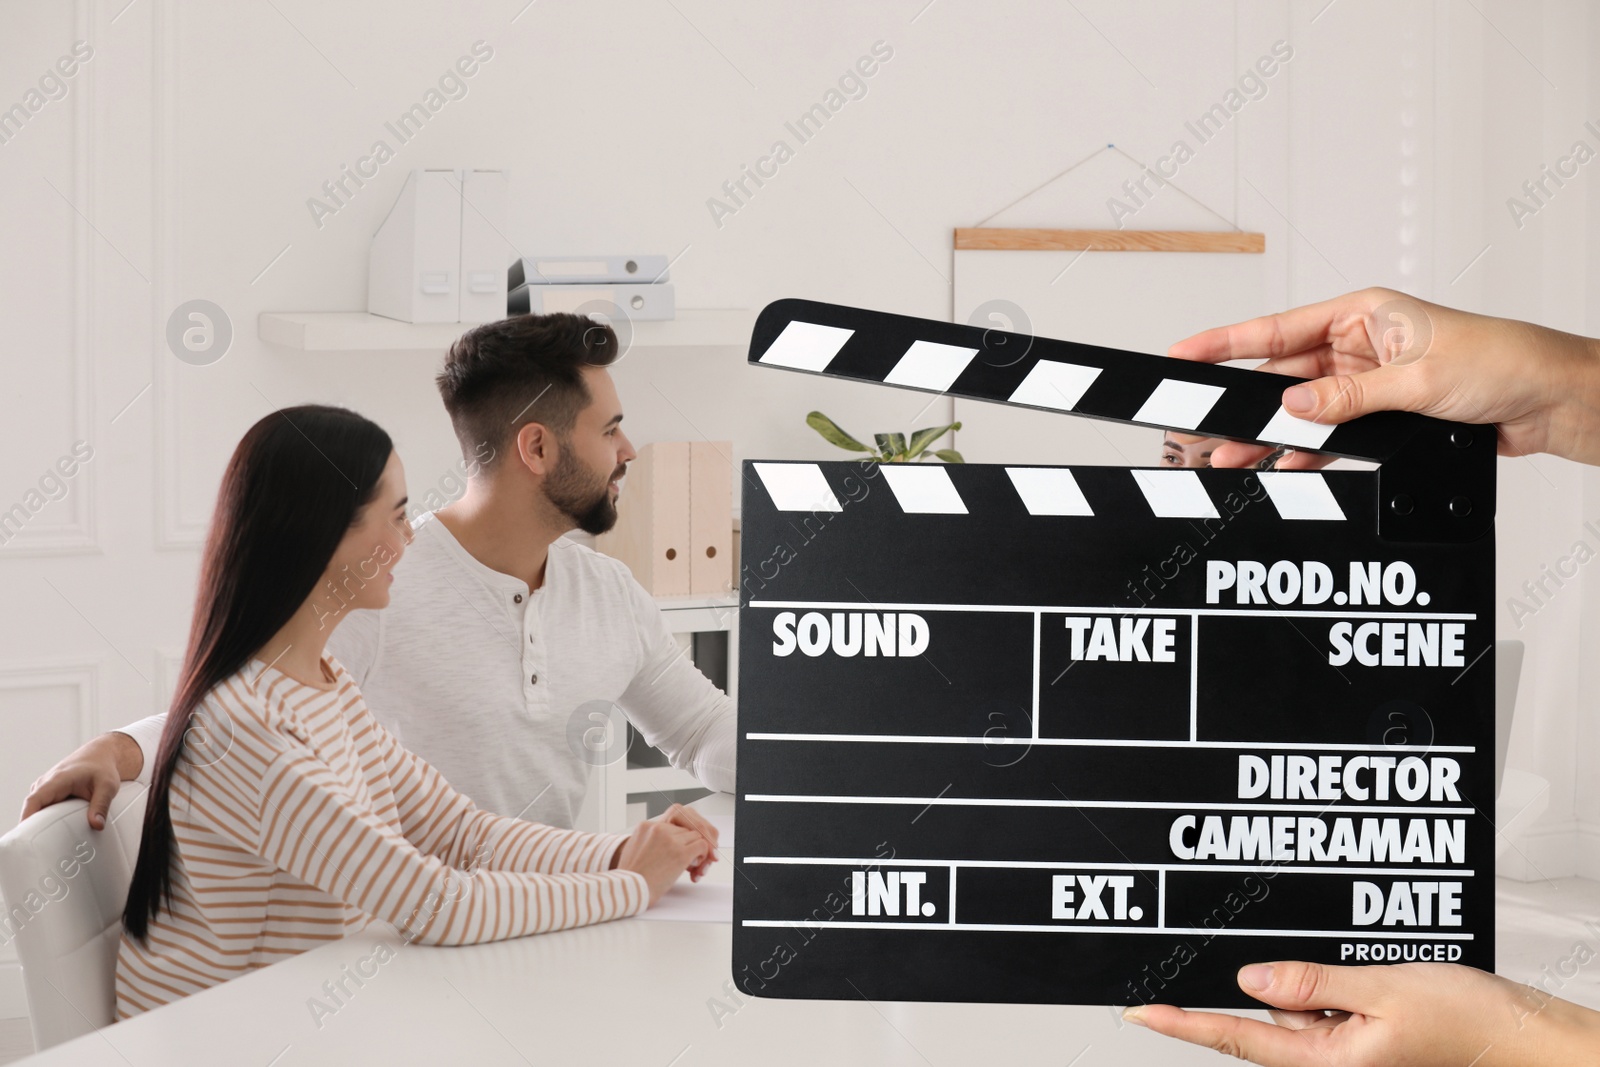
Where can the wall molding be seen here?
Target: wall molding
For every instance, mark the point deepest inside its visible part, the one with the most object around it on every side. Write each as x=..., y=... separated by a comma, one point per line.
x=81, y=536
x=83, y=674
x=172, y=529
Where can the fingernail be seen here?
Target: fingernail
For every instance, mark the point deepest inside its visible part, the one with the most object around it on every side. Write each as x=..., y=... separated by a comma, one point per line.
x=1257, y=976
x=1134, y=1015
x=1301, y=398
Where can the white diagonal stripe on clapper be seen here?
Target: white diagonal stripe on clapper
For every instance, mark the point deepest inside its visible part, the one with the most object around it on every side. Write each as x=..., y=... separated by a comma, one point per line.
x=1178, y=405
x=1286, y=429
x=806, y=346
x=797, y=487
x=1048, y=491
x=1301, y=495
x=930, y=365
x=1175, y=494
x=924, y=490
x=1054, y=385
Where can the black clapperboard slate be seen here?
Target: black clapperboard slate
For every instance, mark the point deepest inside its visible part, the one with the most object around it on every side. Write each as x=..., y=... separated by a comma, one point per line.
x=1098, y=735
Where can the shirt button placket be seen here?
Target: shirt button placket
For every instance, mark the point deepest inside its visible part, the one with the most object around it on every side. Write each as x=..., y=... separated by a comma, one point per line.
x=532, y=663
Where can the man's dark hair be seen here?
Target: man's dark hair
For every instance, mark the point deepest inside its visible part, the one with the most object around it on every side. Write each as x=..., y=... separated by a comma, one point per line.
x=502, y=375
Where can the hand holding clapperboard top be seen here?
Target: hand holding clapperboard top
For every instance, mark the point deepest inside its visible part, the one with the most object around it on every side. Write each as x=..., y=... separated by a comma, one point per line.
x=1104, y=736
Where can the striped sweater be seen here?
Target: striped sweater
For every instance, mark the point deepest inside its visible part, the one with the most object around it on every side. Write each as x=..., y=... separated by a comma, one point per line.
x=300, y=820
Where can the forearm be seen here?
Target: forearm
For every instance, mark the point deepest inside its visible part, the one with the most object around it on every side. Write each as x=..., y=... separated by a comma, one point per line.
x=352, y=855
x=1557, y=1031
x=1539, y=385
x=680, y=712
x=444, y=823
x=673, y=705
x=1574, y=400
x=136, y=761
x=712, y=759
x=498, y=843
x=127, y=753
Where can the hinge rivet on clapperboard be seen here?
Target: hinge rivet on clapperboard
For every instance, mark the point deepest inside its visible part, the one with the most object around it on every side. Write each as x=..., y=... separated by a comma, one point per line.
x=1461, y=438
x=1402, y=504
x=1460, y=507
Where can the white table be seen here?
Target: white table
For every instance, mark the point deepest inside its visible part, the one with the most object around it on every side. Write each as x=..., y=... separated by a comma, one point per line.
x=629, y=992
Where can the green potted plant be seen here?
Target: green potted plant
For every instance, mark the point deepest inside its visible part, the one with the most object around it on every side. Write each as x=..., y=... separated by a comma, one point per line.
x=892, y=447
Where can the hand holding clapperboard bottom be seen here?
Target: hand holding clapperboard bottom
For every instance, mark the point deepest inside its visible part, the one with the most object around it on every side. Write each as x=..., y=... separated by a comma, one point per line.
x=1096, y=735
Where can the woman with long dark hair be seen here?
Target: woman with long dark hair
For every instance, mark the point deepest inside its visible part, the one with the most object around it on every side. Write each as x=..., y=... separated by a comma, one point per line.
x=281, y=815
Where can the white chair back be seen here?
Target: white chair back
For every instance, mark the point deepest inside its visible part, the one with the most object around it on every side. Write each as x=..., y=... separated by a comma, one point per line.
x=63, y=887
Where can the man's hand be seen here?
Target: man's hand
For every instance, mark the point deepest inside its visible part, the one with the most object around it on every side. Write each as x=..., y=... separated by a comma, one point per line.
x=1406, y=1015
x=1379, y=350
x=94, y=772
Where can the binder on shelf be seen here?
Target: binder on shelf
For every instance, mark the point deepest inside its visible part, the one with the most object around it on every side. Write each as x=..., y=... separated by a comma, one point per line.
x=484, y=247
x=639, y=303
x=710, y=517
x=577, y=270
x=414, y=265
x=652, y=531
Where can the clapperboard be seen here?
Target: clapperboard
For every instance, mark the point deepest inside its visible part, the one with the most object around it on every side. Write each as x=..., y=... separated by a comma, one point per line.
x=1104, y=735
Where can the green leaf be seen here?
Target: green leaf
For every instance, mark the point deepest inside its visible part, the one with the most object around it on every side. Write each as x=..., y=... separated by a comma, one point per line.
x=926, y=436
x=891, y=445
x=832, y=434
x=949, y=455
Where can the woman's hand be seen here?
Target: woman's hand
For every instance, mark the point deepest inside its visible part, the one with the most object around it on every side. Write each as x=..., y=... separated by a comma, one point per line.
x=1405, y=1015
x=1378, y=350
x=690, y=819
x=663, y=848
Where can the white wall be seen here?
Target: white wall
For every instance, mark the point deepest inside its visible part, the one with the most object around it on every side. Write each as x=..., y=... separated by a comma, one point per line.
x=180, y=161
x=1534, y=91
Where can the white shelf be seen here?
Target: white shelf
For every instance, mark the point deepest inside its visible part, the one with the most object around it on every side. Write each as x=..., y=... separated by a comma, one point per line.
x=646, y=781
x=697, y=600
x=359, y=331
x=699, y=614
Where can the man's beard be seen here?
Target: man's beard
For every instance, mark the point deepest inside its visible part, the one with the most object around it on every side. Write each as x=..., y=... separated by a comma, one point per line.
x=573, y=490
